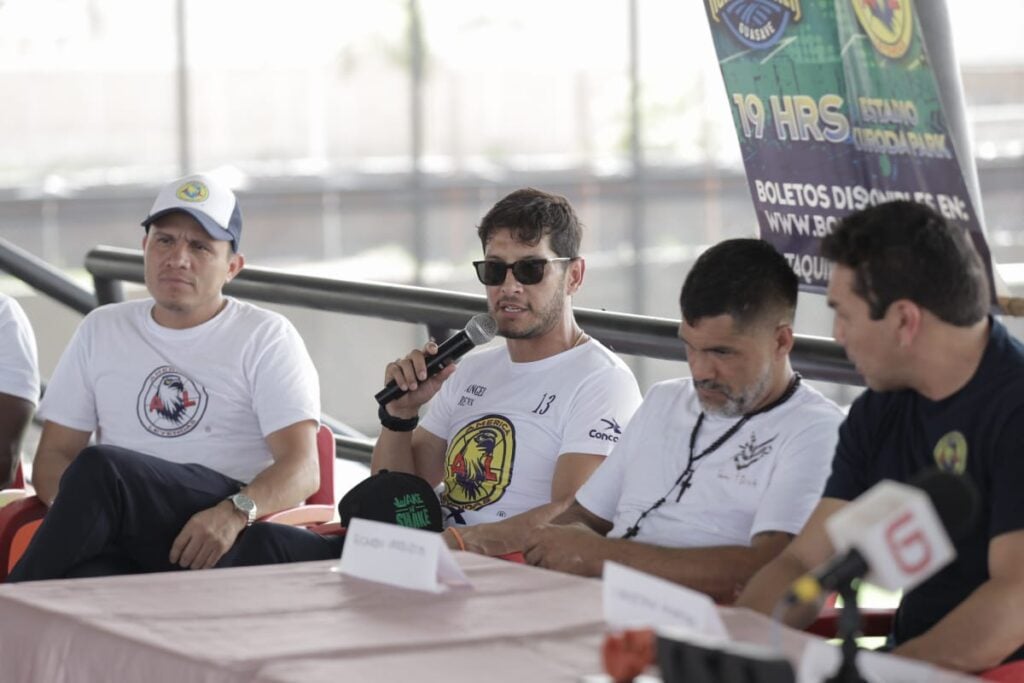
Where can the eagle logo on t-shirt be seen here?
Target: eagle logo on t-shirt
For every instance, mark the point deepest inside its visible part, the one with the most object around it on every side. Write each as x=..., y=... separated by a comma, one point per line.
x=170, y=403
x=478, y=465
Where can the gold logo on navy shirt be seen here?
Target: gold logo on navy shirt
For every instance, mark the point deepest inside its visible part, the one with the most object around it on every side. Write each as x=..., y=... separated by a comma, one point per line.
x=951, y=453
x=478, y=465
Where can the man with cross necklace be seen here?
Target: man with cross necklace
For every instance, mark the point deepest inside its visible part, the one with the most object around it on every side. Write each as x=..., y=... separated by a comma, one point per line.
x=717, y=472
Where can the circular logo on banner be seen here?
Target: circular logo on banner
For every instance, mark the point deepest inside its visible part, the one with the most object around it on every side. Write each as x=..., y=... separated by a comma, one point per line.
x=193, y=191
x=170, y=404
x=757, y=24
x=951, y=453
x=888, y=23
x=478, y=465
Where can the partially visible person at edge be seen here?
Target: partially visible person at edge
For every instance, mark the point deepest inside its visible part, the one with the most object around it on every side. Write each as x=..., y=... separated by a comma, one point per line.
x=716, y=472
x=513, y=430
x=945, y=388
x=205, y=409
x=19, y=384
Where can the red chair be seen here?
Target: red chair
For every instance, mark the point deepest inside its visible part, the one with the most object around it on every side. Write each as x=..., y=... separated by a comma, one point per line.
x=1007, y=673
x=319, y=507
x=20, y=518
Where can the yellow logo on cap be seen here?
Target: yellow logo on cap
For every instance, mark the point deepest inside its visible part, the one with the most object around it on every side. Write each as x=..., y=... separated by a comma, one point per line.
x=193, y=191
x=478, y=466
x=888, y=23
x=951, y=453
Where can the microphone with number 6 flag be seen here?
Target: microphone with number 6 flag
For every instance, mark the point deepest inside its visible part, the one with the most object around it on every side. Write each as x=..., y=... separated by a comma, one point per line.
x=895, y=535
x=479, y=330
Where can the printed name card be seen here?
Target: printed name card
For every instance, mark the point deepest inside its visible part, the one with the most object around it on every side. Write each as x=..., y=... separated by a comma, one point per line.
x=399, y=556
x=633, y=598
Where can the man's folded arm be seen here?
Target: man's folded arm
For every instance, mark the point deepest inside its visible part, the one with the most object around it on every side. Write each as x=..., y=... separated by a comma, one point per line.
x=988, y=626
x=581, y=516
x=295, y=473
x=58, y=447
x=717, y=571
x=15, y=414
x=292, y=477
x=417, y=452
x=811, y=548
x=509, y=535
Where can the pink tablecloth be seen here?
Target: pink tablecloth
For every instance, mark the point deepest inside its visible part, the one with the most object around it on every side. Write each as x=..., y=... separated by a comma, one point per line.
x=301, y=622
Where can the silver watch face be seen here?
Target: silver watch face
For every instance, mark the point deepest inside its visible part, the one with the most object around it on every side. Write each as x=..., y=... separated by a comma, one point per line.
x=243, y=503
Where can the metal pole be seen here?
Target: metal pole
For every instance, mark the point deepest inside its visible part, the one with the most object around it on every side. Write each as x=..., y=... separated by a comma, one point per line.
x=637, y=205
x=108, y=290
x=419, y=217
x=184, y=141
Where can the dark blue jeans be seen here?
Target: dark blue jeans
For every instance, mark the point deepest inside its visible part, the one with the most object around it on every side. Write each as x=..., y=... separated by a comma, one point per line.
x=269, y=543
x=118, y=511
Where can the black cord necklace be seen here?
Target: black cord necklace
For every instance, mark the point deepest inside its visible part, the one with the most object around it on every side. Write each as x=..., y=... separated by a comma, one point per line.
x=683, y=482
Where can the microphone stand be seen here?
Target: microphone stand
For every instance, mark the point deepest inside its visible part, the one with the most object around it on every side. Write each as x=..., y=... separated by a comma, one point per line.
x=849, y=629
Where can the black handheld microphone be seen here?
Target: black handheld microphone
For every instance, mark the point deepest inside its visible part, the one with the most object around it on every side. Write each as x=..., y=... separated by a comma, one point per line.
x=479, y=330
x=953, y=498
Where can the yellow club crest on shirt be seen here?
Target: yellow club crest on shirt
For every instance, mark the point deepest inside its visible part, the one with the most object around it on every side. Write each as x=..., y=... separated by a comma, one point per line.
x=478, y=465
x=888, y=23
x=193, y=191
x=951, y=453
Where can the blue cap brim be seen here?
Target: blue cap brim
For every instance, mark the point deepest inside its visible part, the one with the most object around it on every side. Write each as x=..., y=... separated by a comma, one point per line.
x=209, y=225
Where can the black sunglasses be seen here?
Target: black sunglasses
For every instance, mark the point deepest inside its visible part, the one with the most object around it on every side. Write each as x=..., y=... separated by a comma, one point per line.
x=529, y=271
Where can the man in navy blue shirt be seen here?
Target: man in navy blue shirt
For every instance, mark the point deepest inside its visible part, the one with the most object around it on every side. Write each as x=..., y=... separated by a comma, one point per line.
x=945, y=388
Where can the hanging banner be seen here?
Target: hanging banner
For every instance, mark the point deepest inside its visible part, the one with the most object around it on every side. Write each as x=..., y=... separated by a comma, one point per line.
x=836, y=107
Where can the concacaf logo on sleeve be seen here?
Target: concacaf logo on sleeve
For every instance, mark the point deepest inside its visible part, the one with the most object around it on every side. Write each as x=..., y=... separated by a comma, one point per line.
x=478, y=465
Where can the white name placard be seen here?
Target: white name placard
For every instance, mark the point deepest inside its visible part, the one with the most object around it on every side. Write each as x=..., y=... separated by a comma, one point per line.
x=633, y=598
x=399, y=556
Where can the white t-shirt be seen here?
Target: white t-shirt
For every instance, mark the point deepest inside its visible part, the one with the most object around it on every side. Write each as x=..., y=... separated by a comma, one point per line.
x=207, y=394
x=507, y=423
x=767, y=477
x=19, y=365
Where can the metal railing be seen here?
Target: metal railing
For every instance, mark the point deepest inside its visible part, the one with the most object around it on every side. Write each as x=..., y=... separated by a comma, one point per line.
x=43, y=277
x=815, y=357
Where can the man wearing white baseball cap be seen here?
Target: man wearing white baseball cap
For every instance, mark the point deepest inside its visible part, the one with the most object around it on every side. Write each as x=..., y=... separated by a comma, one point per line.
x=204, y=409
x=204, y=199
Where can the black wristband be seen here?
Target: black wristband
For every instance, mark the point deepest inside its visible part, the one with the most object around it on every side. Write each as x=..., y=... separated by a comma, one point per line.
x=396, y=424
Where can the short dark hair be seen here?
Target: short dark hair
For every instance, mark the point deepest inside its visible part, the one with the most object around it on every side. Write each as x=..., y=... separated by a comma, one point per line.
x=744, y=278
x=530, y=214
x=906, y=250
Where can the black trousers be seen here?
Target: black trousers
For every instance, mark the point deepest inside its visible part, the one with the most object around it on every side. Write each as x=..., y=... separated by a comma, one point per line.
x=118, y=511
x=269, y=543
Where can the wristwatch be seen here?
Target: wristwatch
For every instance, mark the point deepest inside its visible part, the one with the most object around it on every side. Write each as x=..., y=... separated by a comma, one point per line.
x=245, y=505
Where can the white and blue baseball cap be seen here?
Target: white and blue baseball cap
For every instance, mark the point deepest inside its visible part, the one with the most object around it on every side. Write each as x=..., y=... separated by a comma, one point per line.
x=211, y=203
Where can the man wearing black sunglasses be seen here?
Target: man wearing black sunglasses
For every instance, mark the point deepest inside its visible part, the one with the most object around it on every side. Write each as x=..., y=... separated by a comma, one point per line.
x=716, y=472
x=517, y=428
